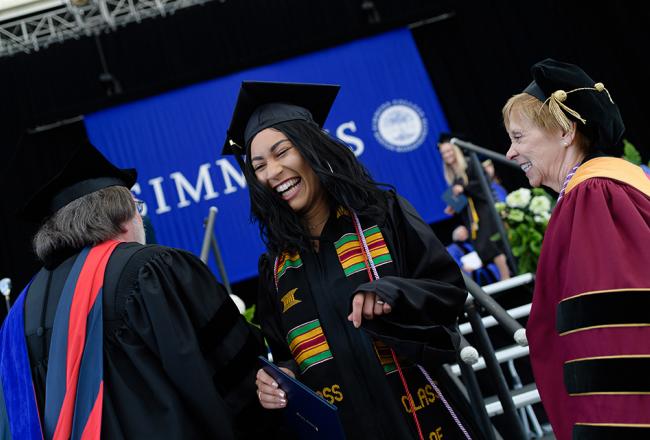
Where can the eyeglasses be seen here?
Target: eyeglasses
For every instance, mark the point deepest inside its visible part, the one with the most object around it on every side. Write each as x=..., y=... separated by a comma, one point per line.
x=139, y=206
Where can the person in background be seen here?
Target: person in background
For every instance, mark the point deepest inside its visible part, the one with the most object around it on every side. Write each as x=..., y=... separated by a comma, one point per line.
x=113, y=338
x=355, y=289
x=468, y=260
x=499, y=193
x=476, y=215
x=589, y=326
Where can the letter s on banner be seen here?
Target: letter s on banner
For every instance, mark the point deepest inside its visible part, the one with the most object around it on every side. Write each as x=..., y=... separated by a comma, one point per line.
x=357, y=144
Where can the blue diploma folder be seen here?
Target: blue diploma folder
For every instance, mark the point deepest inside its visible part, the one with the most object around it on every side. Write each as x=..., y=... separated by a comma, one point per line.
x=457, y=203
x=308, y=414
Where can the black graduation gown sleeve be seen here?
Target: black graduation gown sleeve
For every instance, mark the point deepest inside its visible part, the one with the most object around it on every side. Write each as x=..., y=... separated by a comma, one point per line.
x=473, y=186
x=428, y=297
x=177, y=316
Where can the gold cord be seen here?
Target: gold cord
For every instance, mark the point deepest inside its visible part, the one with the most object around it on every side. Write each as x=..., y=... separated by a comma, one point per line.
x=559, y=110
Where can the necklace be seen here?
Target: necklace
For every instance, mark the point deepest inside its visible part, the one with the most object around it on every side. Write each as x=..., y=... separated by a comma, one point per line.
x=317, y=224
x=566, y=180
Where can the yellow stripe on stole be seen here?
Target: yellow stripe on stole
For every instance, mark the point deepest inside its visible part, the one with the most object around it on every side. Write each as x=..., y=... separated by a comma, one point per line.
x=352, y=261
x=311, y=334
x=354, y=244
x=374, y=237
x=320, y=348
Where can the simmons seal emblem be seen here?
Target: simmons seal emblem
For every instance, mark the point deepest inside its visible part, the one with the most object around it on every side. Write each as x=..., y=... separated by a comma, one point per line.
x=400, y=125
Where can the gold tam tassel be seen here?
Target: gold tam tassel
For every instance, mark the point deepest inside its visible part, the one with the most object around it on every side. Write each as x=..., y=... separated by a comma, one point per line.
x=559, y=110
x=601, y=87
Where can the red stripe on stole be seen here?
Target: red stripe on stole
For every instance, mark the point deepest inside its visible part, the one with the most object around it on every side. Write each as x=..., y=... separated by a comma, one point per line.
x=349, y=254
x=376, y=244
x=93, y=428
x=311, y=343
x=90, y=281
x=355, y=251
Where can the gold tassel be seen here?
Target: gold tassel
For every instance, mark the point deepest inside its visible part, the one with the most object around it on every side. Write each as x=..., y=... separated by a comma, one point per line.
x=559, y=110
x=600, y=87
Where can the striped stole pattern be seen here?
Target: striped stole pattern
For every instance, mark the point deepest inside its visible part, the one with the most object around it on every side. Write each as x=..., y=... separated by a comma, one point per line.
x=385, y=356
x=350, y=252
x=285, y=262
x=308, y=345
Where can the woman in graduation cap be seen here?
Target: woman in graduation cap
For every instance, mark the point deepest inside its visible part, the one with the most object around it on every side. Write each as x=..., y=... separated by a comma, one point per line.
x=355, y=288
x=589, y=327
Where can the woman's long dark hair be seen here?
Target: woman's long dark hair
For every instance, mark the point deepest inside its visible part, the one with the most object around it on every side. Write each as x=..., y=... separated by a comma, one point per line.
x=345, y=180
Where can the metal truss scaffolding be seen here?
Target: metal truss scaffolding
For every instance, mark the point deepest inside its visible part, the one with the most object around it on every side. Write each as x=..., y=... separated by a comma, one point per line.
x=78, y=18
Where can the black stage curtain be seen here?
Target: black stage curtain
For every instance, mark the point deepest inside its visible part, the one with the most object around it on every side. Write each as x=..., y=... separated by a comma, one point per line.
x=482, y=55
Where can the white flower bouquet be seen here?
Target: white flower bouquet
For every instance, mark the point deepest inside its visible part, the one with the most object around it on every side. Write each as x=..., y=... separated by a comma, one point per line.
x=525, y=215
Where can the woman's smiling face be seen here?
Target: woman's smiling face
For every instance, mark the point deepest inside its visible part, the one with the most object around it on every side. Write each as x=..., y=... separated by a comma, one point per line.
x=279, y=165
x=447, y=153
x=537, y=151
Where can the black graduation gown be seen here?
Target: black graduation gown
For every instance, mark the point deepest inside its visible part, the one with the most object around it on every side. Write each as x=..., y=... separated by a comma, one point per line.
x=179, y=360
x=305, y=323
x=486, y=248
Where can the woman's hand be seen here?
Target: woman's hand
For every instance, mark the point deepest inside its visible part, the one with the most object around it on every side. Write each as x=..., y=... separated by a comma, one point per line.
x=449, y=210
x=457, y=189
x=269, y=392
x=368, y=305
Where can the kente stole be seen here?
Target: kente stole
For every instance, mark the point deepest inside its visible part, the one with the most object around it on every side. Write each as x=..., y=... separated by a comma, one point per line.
x=308, y=340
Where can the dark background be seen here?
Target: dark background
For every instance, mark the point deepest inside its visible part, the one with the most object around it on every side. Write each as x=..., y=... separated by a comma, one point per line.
x=477, y=54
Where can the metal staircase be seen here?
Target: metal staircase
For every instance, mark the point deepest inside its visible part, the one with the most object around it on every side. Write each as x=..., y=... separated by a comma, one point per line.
x=514, y=399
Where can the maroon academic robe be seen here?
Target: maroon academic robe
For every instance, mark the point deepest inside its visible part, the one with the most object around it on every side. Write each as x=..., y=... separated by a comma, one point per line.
x=589, y=326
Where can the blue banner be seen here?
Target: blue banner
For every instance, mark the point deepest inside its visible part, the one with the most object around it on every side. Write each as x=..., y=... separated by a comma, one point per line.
x=387, y=112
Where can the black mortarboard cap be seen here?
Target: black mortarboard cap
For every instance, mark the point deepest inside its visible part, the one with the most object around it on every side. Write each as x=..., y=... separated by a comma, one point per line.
x=263, y=104
x=484, y=159
x=581, y=99
x=444, y=137
x=76, y=168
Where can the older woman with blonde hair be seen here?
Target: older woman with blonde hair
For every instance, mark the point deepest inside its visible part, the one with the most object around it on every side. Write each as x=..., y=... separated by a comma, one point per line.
x=589, y=327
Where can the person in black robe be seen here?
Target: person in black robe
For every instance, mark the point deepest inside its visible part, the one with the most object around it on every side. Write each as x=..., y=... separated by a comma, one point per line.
x=476, y=215
x=179, y=360
x=358, y=299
